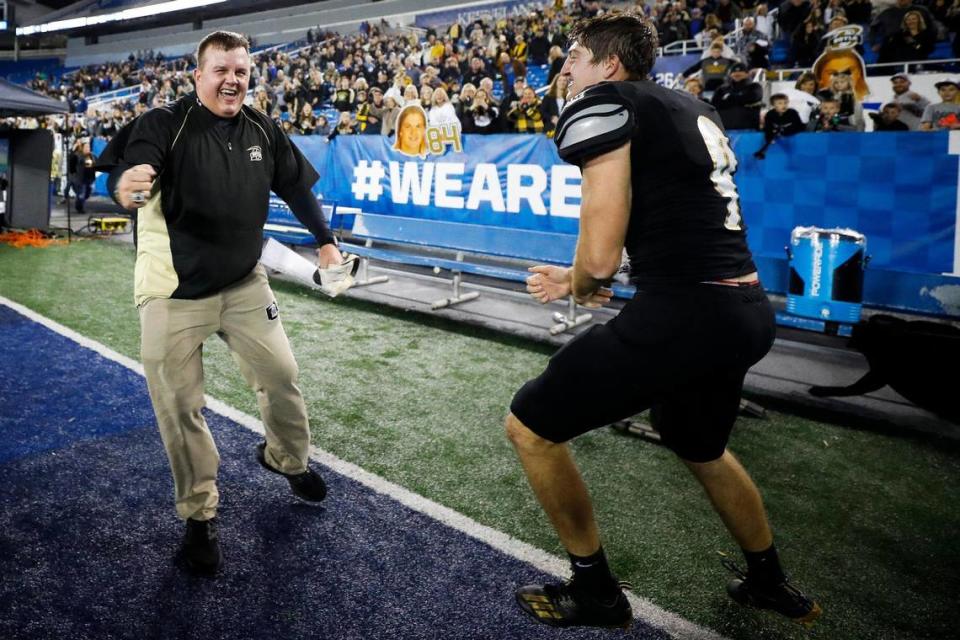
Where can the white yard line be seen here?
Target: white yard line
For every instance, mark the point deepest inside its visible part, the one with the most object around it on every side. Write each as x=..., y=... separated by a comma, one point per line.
x=648, y=612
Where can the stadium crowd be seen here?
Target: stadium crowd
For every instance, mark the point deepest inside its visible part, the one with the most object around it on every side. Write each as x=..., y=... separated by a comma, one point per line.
x=477, y=74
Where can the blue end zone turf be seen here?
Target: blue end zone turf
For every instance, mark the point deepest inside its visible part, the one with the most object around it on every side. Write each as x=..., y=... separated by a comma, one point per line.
x=89, y=530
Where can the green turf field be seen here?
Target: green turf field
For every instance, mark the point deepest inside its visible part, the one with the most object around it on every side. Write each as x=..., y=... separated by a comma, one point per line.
x=865, y=521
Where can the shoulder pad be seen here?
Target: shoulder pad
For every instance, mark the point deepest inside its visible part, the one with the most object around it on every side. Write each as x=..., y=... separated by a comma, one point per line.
x=597, y=120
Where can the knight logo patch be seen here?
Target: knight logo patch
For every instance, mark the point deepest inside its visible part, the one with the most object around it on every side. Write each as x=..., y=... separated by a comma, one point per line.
x=273, y=312
x=255, y=154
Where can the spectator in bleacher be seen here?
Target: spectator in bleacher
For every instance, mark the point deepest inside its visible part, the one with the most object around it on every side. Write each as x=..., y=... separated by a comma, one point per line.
x=512, y=97
x=696, y=23
x=751, y=46
x=806, y=43
x=832, y=9
x=376, y=112
x=943, y=115
x=910, y=102
x=487, y=85
x=396, y=88
x=304, y=120
x=344, y=97
x=321, y=126
x=313, y=88
x=463, y=100
x=890, y=21
x=539, y=45
x=526, y=116
x=857, y=11
x=78, y=103
x=728, y=12
x=411, y=136
x=791, y=15
x=477, y=71
x=433, y=51
x=739, y=99
x=450, y=74
x=838, y=21
x=694, y=86
x=518, y=56
x=346, y=126
x=110, y=125
x=362, y=114
x=426, y=96
x=389, y=118
x=360, y=84
x=841, y=90
x=713, y=68
x=482, y=116
x=411, y=70
x=829, y=119
x=672, y=29
x=780, y=121
x=889, y=119
x=764, y=21
x=441, y=109
x=706, y=36
x=504, y=68
x=555, y=59
x=410, y=94
x=913, y=41
x=553, y=101
x=803, y=96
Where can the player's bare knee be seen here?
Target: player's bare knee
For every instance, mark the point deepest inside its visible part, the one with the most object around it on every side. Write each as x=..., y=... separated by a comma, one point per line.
x=705, y=468
x=522, y=438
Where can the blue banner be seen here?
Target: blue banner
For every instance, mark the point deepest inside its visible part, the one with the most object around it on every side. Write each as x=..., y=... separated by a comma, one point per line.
x=668, y=69
x=499, y=180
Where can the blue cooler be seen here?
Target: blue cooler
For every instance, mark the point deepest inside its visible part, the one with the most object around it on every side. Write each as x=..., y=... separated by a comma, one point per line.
x=826, y=274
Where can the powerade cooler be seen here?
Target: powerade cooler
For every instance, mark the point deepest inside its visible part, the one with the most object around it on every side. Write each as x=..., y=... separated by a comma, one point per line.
x=826, y=274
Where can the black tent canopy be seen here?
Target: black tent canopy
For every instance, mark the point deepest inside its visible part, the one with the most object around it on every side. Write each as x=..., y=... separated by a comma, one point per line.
x=20, y=101
x=30, y=153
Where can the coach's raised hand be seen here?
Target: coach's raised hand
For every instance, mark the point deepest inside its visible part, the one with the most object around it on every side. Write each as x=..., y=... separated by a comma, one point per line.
x=134, y=186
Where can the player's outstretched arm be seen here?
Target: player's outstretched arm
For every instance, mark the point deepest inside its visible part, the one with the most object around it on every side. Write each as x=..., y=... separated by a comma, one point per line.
x=604, y=215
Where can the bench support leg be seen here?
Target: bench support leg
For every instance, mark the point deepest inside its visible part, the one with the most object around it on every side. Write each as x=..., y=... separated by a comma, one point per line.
x=457, y=296
x=362, y=279
x=570, y=320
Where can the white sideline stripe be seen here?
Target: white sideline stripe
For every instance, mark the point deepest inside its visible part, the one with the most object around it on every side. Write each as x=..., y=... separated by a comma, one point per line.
x=648, y=612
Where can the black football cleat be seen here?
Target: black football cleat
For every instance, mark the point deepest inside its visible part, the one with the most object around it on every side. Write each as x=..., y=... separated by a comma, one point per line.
x=782, y=597
x=200, y=550
x=308, y=485
x=568, y=605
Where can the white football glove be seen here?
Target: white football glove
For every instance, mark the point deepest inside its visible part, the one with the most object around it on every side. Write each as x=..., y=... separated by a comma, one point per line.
x=337, y=278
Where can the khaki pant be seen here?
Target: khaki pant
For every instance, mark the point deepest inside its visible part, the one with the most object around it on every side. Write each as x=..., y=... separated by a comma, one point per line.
x=172, y=334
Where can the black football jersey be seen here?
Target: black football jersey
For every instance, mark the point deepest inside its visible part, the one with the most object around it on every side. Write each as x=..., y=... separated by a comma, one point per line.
x=685, y=219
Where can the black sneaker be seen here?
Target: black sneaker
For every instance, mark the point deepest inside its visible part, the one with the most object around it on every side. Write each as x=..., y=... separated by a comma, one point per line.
x=307, y=485
x=568, y=605
x=782, y=597
x=200, y=549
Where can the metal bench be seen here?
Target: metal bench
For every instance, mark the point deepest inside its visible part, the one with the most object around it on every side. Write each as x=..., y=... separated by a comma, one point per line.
x=468, y=242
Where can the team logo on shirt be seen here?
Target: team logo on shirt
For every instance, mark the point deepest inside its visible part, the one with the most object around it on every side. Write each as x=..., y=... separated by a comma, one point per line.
x=273, y=312
x=255, y=153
